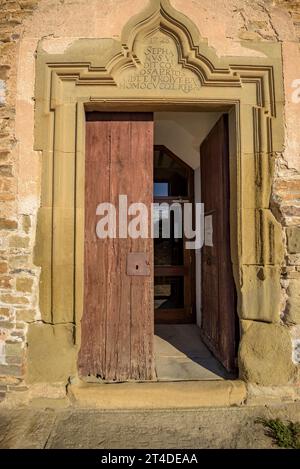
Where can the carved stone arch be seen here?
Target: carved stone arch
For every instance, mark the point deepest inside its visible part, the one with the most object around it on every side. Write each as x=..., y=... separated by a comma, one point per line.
x=161, y=16
x=89, y=75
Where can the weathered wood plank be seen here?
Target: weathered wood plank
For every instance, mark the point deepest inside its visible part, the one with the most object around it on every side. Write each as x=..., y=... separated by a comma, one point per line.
x=93, y=324
x=142, y=295
x=118, y=287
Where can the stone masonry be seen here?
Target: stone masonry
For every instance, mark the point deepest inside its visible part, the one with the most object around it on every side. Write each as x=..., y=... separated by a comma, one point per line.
x=23, y=23
x=18, y=277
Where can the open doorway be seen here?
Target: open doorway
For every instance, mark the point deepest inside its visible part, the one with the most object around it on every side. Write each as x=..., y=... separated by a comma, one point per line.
x=194, y=294
x=174, y=266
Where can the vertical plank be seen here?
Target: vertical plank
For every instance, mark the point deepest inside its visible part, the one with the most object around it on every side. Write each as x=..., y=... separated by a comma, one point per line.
x=118, y=287
x=142, y=295
x=93, y=325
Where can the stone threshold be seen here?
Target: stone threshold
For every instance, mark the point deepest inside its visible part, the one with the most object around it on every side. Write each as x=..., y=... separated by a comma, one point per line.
x=159, y=395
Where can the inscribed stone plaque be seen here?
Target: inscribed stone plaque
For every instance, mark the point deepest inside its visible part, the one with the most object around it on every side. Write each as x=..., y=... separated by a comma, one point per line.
x=160, y=69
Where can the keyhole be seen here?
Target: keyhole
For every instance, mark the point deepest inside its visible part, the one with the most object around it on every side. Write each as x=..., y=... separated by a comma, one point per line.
x=136, y=267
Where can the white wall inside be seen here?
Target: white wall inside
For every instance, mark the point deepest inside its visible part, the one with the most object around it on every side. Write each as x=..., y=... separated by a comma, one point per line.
x=183, y=133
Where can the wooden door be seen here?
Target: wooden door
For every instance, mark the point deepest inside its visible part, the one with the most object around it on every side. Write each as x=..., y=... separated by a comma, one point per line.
x=117, y=324
x=218, y=291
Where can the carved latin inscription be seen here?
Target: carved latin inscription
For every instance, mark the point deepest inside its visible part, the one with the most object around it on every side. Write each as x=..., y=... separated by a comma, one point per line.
x=161, y=70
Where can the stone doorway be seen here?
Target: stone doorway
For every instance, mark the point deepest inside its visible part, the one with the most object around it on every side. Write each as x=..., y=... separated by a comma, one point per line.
x=83, y=79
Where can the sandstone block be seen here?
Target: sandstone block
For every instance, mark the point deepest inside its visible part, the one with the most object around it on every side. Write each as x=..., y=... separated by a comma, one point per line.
x=18, y=242
x=24, y=284
x=19, y=262
x=13, y=349
x=293, y=239
x=6, y=325
x=3, y=267
x=26, y=315
x=265, y=355
x=51, y=353
x=292, y=312
x=260, y=294
x=6, y=281
x=11, y=370
x=7, y=224
x=14, y=300
x=267, y=248
x=4, y=312
x=6, y=170
x=26, y=223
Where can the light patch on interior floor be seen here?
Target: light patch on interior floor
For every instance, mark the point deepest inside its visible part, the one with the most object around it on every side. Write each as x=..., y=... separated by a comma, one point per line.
x=181, y=355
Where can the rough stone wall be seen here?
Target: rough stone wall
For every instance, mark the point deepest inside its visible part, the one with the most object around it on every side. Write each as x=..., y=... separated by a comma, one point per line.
x=286, y=188
x=17, y=274
x=225, y=23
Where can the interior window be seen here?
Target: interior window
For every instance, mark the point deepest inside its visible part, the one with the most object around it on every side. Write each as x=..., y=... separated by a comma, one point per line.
x=161, y=189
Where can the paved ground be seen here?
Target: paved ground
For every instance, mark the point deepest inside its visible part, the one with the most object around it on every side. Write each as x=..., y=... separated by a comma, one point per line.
x=77, y=428
x=180, y=354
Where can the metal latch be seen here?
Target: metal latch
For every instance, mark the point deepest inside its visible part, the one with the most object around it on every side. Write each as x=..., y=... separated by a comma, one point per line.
x=138, y=263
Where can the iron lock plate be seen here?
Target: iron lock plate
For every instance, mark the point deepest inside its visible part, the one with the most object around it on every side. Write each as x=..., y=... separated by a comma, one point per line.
x=138, y=263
